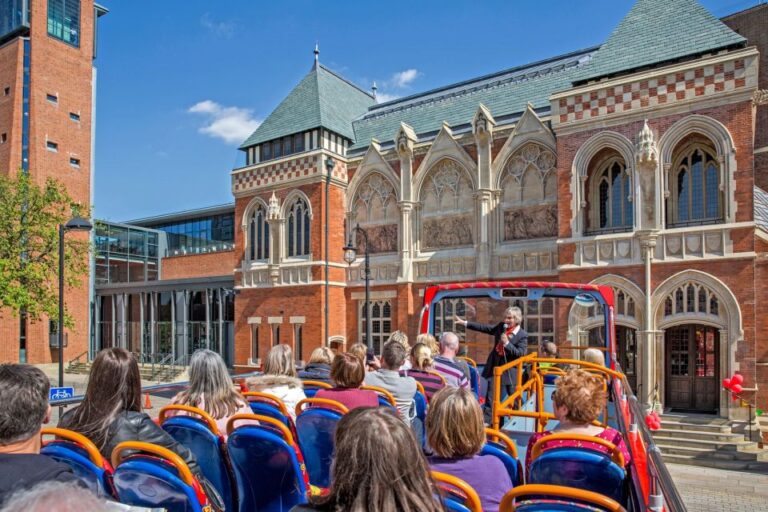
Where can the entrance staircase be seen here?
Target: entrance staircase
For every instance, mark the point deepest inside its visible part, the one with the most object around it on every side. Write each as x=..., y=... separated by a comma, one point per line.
x=149, y=373
x=704, y=440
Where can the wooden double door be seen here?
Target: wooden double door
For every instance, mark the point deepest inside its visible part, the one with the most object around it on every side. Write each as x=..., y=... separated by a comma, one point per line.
x=692, y=368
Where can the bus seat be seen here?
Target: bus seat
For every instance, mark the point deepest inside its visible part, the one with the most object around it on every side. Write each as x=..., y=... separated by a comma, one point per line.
x=474, y=380
x=80, y=454
x=386, y=399
x=554, y=498
x=458, y=495
x=269, y=405
x=268, y=466
x=201, y=435
x=156, y=477
x=315, y=427
x=311, y=387
x=499, y=445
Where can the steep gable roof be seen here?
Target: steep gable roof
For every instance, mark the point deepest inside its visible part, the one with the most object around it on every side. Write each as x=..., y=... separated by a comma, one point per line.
x=658, y=31
x=322, y=98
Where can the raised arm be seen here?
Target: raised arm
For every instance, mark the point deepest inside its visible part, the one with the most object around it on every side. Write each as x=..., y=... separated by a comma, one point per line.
x=475, y=326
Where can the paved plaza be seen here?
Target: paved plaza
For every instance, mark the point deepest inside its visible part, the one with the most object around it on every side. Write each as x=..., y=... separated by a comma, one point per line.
x=717, y=490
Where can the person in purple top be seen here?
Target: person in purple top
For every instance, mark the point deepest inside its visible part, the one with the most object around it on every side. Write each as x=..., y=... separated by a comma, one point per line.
x=456, y=434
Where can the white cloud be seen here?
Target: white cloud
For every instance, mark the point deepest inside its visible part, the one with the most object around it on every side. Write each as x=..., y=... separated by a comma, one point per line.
x=231, y=124
x=217, y=28
x=404, y=78
x=383, y=97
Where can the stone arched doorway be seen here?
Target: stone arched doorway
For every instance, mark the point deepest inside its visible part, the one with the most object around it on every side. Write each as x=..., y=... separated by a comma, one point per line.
x=698, y=325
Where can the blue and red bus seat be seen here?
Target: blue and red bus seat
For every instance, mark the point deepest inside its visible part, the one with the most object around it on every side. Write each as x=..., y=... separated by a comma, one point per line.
x=501, y=446
x=316, y=420
x=311, y=387
x=457, y=495
x=270, y=473
x=580, y=467
x=147, y=475
x=555, y=498
x=418, y=422
x=80, y=454
x=265, y=404
x=386, y=399
x=474, y=376
x=201, y=435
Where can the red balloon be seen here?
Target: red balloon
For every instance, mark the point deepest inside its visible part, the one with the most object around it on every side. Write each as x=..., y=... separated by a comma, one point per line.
x=656, y=425
x=736, y=388
x=734, y=397
x=737, y=378
x=727, y=383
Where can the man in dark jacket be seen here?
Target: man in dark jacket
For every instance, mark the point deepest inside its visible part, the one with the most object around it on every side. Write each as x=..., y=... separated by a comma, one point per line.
x=23, y=410
x=511, y=342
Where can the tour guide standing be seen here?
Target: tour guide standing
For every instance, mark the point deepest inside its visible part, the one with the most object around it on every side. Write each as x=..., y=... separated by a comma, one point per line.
x=511, y=343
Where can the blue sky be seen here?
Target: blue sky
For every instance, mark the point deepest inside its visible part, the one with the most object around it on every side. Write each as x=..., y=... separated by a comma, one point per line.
x=182, y=82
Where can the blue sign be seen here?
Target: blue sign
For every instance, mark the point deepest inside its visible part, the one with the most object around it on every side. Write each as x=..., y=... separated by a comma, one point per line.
x=61, y=393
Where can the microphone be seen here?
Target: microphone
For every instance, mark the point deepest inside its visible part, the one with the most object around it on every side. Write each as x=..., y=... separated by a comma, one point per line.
x=506, y=326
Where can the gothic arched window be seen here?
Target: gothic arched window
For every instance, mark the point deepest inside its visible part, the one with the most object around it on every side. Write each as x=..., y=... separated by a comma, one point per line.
x=258, y=234
x=694, y=184
x=610, y=194
x=297, y=232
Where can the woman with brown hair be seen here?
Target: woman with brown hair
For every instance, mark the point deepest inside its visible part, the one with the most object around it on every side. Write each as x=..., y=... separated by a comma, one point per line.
x=347, y=374
x=110, y=412
x=578, y=399
x=370, y=361
x=377, y=466
x=280, y=379
x=421, y=370
x=456, y=434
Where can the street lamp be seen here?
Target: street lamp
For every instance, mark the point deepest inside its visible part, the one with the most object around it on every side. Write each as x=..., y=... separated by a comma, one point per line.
x=350, y=255
x=74, y=224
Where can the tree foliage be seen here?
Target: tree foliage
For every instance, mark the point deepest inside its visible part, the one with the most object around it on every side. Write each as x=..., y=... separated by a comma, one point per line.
x=29, y=245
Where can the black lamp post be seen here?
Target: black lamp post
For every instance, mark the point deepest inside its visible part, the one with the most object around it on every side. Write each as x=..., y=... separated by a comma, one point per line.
x=350, y=255
x=74, y=224
x=329, y=164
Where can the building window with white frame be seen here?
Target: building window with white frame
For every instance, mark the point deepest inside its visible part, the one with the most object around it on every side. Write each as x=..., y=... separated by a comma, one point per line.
x=254, y=342
x=610, y=197
x=538, y=319
x=694, y=183
x=297, y=341
x=445, y=310
x=297, y=230
x=275, y=335
x=258, y=234
x=381, y=323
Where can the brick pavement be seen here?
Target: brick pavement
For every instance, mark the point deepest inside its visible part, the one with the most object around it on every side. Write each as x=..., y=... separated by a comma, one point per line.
x=716, y=490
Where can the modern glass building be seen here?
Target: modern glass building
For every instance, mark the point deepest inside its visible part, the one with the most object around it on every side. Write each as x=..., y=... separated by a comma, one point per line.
x=159, y=319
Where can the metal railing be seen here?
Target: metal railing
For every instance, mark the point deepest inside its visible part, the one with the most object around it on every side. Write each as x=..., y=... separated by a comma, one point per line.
x=75, y=360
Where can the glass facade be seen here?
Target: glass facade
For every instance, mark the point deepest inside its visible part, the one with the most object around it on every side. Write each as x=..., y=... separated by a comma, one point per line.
x=14, y=16
x=64, y=20
x=126, y=254
x=200, y=235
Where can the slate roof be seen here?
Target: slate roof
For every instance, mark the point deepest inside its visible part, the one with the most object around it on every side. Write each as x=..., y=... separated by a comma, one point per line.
x=761, y=208
x=658, y=31
x=505, y=93
x=322, y=98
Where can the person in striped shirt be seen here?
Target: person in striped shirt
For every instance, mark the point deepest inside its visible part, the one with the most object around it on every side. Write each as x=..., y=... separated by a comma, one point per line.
x=445, y=363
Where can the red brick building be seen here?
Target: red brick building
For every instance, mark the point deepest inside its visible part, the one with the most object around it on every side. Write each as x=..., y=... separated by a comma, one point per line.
x=47, y=84
x=637, y=164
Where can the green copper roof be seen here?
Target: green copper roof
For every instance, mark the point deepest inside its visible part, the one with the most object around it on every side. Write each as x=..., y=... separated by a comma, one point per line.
x=657, y=31
x=322, y=98
x=505, y=93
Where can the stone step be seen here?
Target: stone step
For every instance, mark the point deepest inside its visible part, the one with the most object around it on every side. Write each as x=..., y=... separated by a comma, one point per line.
x=734, y=465
x=697, y=435
x=746, y=455
x=679, y=425
x=737, y=444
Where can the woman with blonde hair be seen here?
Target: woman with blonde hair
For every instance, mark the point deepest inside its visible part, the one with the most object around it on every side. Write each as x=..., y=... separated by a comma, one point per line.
x=319, y=365
x=456, y=434
x=578, y=400
x=421, y=370
x=430, y=341
x=279, y=378
x=211, y=389
x=366, y=355
x=594, y=356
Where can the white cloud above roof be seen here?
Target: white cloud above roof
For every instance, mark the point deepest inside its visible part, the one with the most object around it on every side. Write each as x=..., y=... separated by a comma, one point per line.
x=231, y=124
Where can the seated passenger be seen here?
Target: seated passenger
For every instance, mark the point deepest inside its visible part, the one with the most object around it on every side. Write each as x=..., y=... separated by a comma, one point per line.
x=422, y=369
x=430, y=342
x=366, y=355
x=548, y=350
x=377, y=466
x=59, y=497
x=456, y=434
x=110, y=412
x=347, y=374
x=578, y=400
x=446, y=365
x=319, y=366
x=402, y=338
x=211, y=389
x=279, y=378
x=23, y=410
x=402, y=388
x=594, y=356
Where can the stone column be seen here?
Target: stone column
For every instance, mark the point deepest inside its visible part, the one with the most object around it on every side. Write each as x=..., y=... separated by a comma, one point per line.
x=405, y=139
x=482, y=127
x=648, y=345
x=276, y=224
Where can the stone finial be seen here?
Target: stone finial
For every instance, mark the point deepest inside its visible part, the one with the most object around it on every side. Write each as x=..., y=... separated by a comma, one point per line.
x=760, y=97
x=273, y=210
x=646, y=152
x=483, y=122
x=405, y=139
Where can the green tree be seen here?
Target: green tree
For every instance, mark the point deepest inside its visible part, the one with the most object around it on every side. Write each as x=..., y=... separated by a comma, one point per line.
x=29, y=245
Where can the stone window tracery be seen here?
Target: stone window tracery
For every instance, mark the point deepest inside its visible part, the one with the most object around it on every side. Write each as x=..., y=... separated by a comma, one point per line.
x=610, y=197
x=297, y=228
x=691, y=298
x=381, y=323
x=529, y=201
x=447, y=207
x=375, y=210
x=695, y=195
x=258, y=235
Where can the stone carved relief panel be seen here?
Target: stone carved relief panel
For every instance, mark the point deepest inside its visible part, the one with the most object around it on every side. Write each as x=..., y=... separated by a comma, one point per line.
x=375, y=210
x=447, y=207
x=529, y=200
